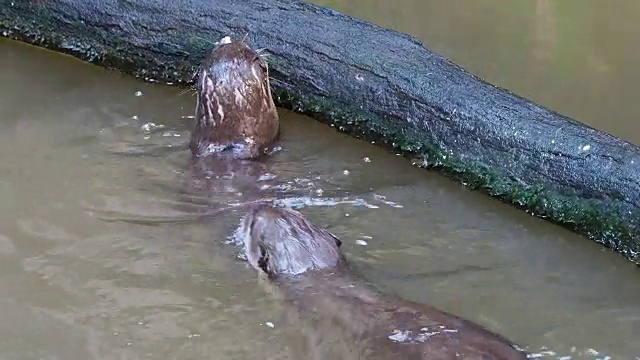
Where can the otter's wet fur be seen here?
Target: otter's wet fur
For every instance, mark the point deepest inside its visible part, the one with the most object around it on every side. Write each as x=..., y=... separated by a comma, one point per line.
x=304, y=263
x=235, y=113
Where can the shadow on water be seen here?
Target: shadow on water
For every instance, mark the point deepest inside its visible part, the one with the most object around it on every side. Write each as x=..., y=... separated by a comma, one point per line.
x=111, y=241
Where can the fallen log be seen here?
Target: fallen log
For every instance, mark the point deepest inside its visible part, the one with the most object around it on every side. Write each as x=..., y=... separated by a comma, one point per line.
x=375, y=84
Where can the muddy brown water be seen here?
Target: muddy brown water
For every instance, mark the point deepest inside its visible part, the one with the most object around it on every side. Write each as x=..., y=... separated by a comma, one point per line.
x=101, y=259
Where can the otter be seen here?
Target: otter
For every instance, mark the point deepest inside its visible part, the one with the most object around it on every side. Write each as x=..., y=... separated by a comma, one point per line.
x=235, y=113
x=236, y=123
x=305, y=263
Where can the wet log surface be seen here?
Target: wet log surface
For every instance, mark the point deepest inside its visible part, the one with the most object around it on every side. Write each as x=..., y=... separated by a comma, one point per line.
x=375, y=84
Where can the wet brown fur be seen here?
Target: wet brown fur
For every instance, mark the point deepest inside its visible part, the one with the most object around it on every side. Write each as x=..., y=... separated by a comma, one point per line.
x=306, y=262
x=235, y=113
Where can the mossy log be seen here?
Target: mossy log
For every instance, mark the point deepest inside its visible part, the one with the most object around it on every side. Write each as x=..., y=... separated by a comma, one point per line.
x=373, y=83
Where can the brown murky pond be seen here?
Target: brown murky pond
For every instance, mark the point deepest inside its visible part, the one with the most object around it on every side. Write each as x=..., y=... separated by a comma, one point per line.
x=102, y=258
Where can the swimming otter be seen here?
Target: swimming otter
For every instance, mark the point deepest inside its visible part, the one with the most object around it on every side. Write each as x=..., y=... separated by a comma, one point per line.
x=235, y=113
x=306, y=262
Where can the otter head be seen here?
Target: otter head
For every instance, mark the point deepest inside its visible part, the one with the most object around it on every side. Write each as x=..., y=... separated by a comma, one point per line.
x=281, y=241
x=235, y=113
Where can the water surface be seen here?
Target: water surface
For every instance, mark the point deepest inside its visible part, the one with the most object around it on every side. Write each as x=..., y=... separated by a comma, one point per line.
x=103, y=256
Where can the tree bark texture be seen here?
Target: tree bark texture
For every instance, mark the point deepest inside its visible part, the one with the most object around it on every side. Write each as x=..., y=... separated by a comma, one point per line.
x=375, y=84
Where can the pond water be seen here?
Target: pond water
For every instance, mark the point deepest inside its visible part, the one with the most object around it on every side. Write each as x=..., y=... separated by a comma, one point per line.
x=103, y=256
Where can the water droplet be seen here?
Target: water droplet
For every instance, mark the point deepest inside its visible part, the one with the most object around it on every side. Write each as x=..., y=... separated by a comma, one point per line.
x=148, y=126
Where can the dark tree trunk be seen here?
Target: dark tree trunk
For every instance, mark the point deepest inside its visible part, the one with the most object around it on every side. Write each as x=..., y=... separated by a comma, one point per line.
x=373, y=83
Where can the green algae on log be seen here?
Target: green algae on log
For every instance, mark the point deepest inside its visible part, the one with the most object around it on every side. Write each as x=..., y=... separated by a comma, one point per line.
x=375, y=84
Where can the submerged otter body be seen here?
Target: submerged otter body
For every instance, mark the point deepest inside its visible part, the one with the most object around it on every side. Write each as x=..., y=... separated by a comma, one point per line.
x=305, y=261
x=235, y=113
